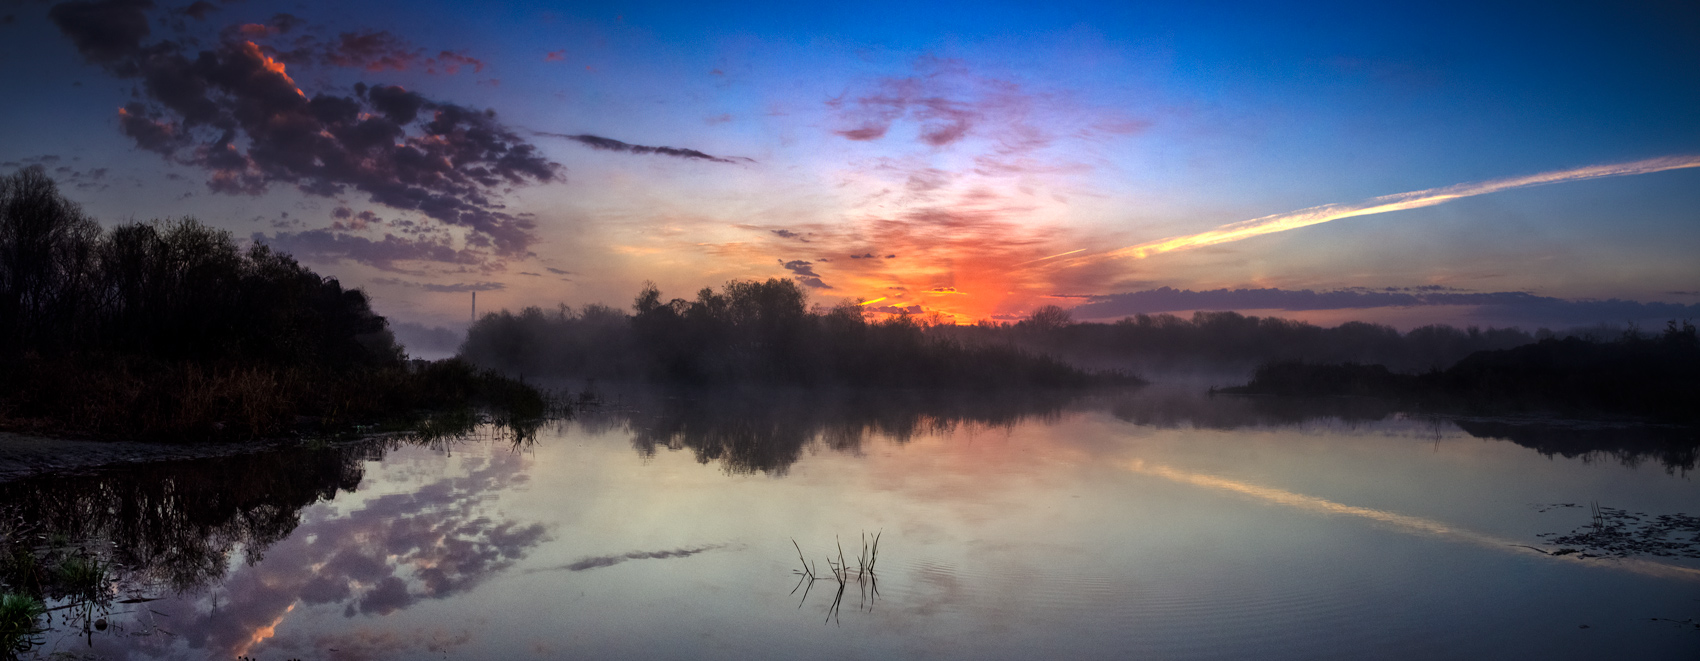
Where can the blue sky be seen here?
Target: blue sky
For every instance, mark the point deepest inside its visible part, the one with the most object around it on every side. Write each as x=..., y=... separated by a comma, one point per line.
x=960, y=140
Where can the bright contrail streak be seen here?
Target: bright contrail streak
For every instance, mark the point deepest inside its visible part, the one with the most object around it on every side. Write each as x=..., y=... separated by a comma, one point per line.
x=1413, y=200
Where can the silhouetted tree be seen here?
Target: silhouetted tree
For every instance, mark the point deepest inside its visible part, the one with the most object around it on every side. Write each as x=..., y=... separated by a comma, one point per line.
x=47, y=250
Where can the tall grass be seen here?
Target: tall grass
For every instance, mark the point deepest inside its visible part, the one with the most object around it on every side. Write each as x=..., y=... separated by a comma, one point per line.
x=18, y=613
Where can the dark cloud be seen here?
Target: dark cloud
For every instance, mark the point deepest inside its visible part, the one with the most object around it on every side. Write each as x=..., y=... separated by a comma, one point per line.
x=106, y=32
x=199, y=9
x=90, y=179
x=866, y=255
x=381, y=50
x=596, y=562
x=1496, y=305
x=557, y=271
x=233, y=111
x=805, y=272
x=609, y=144
x=788, y=234
x=555, y=56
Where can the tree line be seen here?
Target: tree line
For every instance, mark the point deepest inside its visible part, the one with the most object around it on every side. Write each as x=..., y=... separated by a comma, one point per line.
x=171, y=330
x=169, y=289
x=1638, y=374
x=1232, y=341
x=760, y=332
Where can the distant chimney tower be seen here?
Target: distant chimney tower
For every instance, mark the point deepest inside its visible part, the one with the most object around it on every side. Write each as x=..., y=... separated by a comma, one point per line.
x=475, y=306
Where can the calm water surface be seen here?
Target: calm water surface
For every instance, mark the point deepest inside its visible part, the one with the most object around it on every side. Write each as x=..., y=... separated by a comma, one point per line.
x=1156, y=524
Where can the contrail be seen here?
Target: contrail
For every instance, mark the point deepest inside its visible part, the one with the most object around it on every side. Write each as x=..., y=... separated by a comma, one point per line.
x=1282, y=222
x=1041, y=259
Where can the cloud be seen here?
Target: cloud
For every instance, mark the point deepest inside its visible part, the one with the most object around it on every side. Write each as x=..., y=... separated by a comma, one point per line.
x=788, y=234
x=555, y=56
x=805, y=272
x=381, y=50
x=934, y=100
x=1497, y=305
x=233, y=111
x=948, y=103
x=453, y=288
x=329, y=246
x=349, y=220
x=105, y=32
x=1413, y=200
x=609, y=144
x=199, y=9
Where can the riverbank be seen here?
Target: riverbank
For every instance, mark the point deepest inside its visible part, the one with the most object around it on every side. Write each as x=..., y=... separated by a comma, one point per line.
x=23, y=455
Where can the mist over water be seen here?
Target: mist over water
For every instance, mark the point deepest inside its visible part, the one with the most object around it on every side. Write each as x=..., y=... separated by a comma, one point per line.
x=1152, y=522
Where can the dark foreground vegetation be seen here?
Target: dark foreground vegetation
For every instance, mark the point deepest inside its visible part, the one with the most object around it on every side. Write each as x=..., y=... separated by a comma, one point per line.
x=1637, y=374
x=169, y=331
x=756, y=333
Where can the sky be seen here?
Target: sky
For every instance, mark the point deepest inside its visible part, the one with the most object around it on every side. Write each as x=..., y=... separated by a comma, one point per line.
x=1494, y=164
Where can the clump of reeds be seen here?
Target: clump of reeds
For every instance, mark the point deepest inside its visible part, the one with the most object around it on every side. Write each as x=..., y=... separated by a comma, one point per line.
x=83, y=577
x=841, y=572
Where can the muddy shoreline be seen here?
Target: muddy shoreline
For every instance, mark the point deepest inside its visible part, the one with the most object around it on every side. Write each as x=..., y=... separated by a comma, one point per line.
x=22, y=455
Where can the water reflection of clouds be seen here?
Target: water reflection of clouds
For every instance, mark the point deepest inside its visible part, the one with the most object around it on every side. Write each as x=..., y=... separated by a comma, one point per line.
x=390, y=553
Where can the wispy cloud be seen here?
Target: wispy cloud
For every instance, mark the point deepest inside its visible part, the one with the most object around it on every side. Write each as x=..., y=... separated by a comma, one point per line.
x=325, y=246
x=1413, y=200
x=610, y=144
x=450, y=288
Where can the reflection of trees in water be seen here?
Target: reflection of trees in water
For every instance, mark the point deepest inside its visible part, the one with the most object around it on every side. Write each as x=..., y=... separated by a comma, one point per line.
x=1676, y=448
x=766, y=431
x=174, y=523
x=172, y=526
x=1168, y=408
